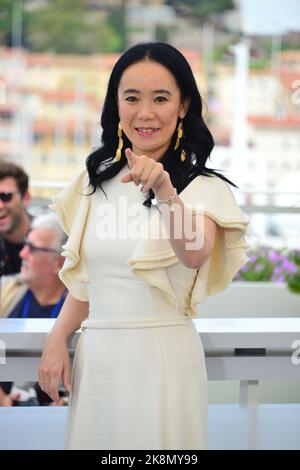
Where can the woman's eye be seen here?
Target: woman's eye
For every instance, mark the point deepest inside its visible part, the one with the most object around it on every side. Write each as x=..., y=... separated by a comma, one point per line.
x=130, y=99
x=161, y=99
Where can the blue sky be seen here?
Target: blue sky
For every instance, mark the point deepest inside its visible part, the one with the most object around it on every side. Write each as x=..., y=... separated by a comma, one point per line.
x=268, y=17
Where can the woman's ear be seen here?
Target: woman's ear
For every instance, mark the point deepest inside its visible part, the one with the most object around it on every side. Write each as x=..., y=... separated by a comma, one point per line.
x=184, y=107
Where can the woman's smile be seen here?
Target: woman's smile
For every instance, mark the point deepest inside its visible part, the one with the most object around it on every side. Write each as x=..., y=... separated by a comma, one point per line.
x=146, y=131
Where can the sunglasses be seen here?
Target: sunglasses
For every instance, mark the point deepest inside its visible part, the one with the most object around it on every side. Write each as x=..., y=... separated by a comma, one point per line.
x=33, y=248
x=7, y=196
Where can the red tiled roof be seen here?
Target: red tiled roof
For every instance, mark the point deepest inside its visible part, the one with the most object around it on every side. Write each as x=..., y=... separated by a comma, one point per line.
x=62, y=95
x=44, y=126
x=288, y=121
x=45, y=59
x=67, y=95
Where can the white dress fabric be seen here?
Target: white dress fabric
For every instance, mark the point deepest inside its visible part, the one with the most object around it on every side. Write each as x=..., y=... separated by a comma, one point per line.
x=139, y=379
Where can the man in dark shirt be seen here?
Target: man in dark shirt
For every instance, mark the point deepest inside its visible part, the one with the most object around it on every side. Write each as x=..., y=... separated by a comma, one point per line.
x=14, y=218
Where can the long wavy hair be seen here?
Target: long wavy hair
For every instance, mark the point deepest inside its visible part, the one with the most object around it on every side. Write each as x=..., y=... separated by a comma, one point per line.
x=197, y=140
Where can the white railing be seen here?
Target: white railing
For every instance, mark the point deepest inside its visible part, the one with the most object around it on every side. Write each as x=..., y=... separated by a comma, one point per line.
x=244, y=349
x=249, y=199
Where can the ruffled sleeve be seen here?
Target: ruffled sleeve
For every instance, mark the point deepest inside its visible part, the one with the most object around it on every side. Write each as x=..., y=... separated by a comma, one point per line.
x=155, y=261
x=72, y=208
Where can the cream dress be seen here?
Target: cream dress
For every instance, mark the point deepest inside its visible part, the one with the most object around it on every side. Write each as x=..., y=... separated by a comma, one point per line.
x=139, y=379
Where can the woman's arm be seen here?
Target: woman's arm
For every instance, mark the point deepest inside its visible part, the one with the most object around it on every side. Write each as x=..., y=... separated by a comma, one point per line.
x=55, y=362
x=192, y=236
x=72, y=314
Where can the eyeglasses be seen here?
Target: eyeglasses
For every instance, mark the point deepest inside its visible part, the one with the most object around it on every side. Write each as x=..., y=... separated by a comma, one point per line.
x=7, y=196
x=33, y=248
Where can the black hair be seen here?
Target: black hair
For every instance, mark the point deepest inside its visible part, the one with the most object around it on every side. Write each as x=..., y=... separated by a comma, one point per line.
x=197, y=140
x=11, y=170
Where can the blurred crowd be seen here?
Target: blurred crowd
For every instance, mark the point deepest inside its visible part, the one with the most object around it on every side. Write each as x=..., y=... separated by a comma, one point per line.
x=30, y=259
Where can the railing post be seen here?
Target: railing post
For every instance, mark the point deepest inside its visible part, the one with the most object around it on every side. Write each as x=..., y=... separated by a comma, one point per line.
x=249, y=393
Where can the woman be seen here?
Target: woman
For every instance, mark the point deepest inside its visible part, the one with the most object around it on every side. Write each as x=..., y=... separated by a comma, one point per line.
x=155, y=233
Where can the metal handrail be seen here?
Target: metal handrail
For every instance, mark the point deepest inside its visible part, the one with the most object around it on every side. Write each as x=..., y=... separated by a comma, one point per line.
x=261, y=191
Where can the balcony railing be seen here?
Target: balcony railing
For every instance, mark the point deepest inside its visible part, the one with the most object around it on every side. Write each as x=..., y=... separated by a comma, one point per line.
x=243, y=349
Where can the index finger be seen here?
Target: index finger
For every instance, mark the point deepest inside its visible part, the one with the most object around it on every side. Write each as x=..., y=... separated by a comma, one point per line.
x=131, y=157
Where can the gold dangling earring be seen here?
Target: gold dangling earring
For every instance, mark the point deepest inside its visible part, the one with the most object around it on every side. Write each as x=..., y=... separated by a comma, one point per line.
x=120, y=146
x=179, y=136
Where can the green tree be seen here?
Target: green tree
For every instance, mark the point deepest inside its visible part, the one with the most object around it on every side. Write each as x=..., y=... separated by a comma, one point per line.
x=63, y=26
x=201, y=9
x=6, y=21
x=116, y=19
x=68, y=26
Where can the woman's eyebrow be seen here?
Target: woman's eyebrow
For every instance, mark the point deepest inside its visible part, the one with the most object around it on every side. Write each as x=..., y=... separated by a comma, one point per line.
x=167, y=92
x=133, y=90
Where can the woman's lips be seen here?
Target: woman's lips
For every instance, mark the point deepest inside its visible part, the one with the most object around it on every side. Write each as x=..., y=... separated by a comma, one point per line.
x=146, y=131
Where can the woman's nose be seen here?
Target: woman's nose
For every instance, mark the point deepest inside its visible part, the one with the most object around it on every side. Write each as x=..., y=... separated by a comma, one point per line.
x=145, y=112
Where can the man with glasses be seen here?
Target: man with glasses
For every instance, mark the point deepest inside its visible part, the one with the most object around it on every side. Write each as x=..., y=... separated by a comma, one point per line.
x=14, y=218
x=37, y=291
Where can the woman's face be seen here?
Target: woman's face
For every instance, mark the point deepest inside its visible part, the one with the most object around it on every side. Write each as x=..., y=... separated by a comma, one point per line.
x=149, y=105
